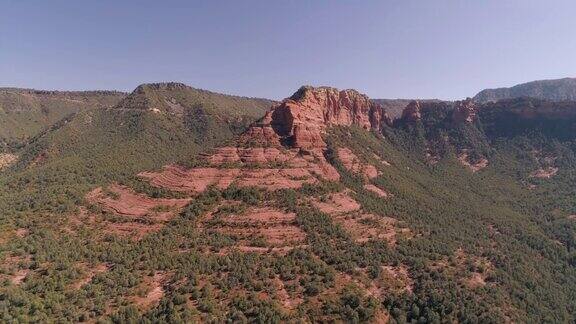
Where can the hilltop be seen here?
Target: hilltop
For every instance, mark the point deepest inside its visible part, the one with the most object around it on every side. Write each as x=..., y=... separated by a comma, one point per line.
x=25, y=113
x=555, y=90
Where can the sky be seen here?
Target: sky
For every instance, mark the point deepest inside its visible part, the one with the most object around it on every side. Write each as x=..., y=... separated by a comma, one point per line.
x=387, y=49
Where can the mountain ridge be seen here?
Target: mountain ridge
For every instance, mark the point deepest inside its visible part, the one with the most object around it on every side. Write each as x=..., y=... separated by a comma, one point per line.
x=551, y=89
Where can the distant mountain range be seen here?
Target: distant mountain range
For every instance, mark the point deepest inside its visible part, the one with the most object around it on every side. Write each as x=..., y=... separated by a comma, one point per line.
x=555, y=90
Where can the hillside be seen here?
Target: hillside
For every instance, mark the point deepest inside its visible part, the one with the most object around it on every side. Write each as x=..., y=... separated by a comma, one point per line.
x=555, y=90
x=102, y=145
x=24, y=112
x=167, y=208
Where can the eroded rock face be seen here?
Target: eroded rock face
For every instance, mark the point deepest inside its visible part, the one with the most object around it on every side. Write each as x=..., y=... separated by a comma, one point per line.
x=300, y=121
x=464, y=112
x=474, y=166
x=270, y=168
x=379, y=192
x=285, y=148
x=278, y=229
x=412, y=112
x=261, y=133
x=129, y=204
x=353, y=164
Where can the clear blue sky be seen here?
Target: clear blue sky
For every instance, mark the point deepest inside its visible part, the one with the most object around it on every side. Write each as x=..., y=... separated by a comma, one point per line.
x=386, y=49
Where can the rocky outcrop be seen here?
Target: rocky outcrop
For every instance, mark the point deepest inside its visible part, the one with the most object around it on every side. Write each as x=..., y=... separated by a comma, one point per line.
x=412, y=112
x=353, y=164
x=7, y=159
x=379, y=192
x=129, y=204
x=285, y=148
x=464, y=111
x=264, y=167
x=474, y=165
x=300, y=121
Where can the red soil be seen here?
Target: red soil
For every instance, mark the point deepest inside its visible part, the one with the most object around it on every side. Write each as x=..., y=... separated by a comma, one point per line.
x=476, y=280
x=91, y=271
x=15, y=268
x=19, y=276
x=261, y=215
x=362, y=227
x=194, y=180
x=251, y=155
x=22, y=232
x=474, y=166
x=288, y=302
x=367, y=227
x=545, y=173
x=401, y=275
x=154, y=291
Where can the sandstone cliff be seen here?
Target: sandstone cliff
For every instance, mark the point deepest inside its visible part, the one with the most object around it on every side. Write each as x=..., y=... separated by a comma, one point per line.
x=300, y=121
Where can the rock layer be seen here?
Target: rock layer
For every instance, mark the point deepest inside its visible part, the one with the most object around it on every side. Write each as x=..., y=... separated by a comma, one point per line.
x=353, y=164
x=269, y=168
x=300, y=121
x=285, y=148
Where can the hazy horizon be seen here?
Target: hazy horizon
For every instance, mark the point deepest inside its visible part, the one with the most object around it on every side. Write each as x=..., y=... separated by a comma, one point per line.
x=390, y=49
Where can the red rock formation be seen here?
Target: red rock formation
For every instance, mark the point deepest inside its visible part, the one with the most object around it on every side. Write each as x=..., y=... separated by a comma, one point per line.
x=336, y=204
x=475, y=166
x=353, y=164
x=379, y=192
x=261, y=133
x=285, y=148
x=412, y=112
x=130, y=204
x=266, y=167
x=464, y=112
x=277, y=228
x=300, y=121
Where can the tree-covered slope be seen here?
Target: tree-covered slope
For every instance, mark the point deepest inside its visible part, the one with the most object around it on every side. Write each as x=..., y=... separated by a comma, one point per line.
x=556, y=90
x=98, y=145
x=24, y=113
